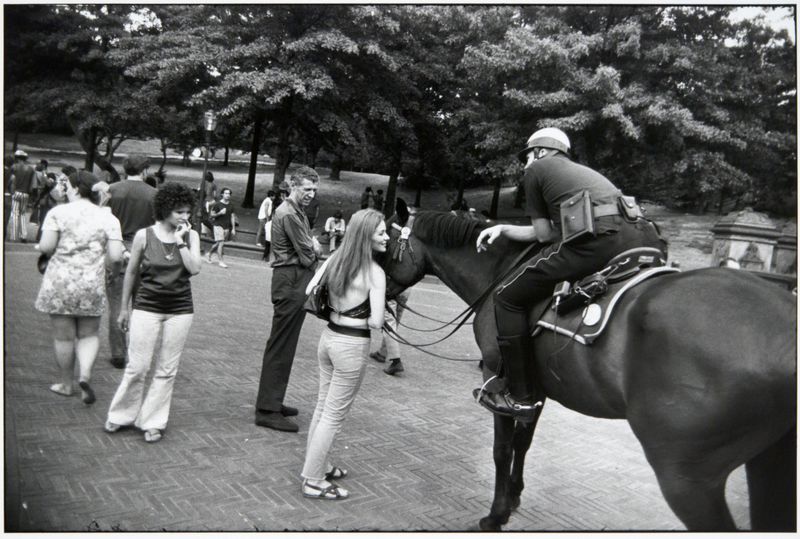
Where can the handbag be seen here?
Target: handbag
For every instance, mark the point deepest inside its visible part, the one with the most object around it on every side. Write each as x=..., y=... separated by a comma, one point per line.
x=317, y=302
x=41, y=263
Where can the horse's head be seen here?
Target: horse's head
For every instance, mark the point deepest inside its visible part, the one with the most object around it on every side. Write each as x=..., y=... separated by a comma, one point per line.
x=404, y=262
x=422, y=242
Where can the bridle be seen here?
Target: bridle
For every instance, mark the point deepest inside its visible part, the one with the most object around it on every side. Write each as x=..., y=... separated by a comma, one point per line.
x=405, y=234
x=403, y=245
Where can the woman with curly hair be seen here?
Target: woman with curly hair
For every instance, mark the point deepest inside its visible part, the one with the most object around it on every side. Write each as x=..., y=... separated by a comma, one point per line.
x=163, y=258
x=356, y=294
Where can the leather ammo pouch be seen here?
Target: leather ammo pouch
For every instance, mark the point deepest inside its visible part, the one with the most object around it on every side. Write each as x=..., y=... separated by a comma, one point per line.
x=577, y=219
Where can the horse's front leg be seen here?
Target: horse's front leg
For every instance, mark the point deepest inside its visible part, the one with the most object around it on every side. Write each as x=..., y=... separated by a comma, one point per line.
x=503, y=456
x=523, y=436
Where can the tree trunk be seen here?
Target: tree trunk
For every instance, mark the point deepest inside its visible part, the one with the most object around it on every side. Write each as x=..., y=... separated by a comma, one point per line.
x=106, y=165
x=185, y=160
x=91, y=150
x=495, y=197
x=420, y=175
x=460, y=195
x=227, y=151
x=163, y=155
x=336, y=168
x=391, y=189
x=282, y=155
x=16, y=142
x=249, y=193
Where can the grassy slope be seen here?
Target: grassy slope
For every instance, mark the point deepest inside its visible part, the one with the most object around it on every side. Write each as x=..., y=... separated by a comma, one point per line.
x=689, y=235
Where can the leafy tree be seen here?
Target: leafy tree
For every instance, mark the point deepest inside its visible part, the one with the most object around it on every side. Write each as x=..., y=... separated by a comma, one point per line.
x=78, y=84
x=655, y=97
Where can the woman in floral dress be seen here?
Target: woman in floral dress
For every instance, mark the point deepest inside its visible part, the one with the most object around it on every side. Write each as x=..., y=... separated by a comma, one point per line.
x=77, y=236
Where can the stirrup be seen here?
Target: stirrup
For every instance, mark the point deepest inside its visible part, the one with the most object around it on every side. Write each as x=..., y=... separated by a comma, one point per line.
x=482, y=389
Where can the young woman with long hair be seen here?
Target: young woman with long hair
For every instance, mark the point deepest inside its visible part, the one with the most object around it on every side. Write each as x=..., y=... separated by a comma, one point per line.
x=356, y=292
x=163, y=259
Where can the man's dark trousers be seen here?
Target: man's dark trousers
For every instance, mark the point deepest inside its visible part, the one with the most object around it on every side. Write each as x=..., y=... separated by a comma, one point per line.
x=288, y=295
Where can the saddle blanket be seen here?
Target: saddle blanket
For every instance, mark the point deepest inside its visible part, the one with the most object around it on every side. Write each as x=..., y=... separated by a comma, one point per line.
x=587, y=325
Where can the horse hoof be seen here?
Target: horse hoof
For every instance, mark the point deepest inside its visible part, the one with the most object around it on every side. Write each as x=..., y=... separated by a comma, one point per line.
x=490, y=524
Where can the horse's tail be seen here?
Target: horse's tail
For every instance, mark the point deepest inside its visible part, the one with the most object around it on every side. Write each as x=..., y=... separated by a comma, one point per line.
x=772, y=482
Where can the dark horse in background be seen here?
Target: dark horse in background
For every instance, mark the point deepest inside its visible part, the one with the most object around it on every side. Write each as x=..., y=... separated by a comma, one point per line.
x=702, y=364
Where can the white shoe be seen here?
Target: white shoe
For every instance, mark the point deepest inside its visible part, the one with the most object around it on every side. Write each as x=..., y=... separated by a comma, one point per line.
x=222, y=264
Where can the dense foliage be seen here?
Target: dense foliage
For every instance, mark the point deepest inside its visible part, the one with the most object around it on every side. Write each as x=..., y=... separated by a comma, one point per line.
x=675, y=104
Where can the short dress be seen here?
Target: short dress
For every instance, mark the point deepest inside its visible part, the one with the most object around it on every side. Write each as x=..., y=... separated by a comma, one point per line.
x=74, y=282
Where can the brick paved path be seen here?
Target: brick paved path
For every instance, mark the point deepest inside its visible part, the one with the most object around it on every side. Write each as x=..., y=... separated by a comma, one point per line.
x=418, y=449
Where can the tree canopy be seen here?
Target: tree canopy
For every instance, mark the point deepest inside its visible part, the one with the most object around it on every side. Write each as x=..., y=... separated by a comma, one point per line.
x=677, y=104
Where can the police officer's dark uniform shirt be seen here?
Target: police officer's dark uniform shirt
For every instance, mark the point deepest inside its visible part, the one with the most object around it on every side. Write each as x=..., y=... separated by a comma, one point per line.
x=554, y=179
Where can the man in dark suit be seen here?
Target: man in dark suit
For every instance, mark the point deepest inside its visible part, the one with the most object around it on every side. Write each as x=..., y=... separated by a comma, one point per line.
x=295, y=253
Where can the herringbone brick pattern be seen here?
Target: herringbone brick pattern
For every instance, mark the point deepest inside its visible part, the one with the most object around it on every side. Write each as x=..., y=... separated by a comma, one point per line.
x=419, y=451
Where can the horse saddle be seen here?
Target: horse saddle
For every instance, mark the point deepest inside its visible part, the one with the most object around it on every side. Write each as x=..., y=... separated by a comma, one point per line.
x=581, y=310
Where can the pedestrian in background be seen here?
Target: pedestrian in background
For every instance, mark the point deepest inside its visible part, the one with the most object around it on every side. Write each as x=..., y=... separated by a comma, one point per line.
x=366, y=198
x=210, y=198
x=264, y=215
x=390, y=348
x=224, y=219
x=356, y=293
x=163, y=258
x=335, y=227
x=22, y=184
x=132, y=204
x=77, y=237
x=42, y=186
x=295, y=254
x=378, y=200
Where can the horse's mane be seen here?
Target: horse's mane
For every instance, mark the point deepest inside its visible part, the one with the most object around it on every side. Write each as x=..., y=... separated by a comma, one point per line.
x=445, y=229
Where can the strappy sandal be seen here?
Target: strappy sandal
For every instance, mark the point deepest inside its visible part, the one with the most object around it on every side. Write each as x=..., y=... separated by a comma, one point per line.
x=152, y=436
x=331, y=492
x=60, y=390
x=336, y=473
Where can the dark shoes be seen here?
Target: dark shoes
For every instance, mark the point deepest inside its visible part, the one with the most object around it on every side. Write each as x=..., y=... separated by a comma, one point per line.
x=395, y=367
x=117, y=362
x=288, y=411
x=88, y=393
x=377, y=356
x=504, y=404
x=275, y=420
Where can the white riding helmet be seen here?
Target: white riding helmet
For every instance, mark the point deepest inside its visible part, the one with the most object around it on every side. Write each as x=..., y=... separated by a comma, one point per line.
x=549, y=137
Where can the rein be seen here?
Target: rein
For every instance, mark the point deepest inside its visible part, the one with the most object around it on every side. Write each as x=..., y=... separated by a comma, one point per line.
x=403, y=245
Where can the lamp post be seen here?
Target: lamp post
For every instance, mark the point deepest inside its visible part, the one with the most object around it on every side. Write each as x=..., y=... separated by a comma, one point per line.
x=209, y=123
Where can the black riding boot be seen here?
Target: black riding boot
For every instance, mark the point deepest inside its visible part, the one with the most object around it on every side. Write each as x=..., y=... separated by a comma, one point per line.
x=518, y=400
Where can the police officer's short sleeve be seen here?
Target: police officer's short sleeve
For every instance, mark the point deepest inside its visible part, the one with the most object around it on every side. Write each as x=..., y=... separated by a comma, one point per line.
x=535, y=206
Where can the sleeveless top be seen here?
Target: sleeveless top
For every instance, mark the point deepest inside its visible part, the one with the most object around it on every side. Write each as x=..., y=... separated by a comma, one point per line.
x=362, y=310
x=164, y=286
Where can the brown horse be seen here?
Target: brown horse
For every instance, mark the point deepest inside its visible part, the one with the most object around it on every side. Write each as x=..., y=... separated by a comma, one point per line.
x=701, y=363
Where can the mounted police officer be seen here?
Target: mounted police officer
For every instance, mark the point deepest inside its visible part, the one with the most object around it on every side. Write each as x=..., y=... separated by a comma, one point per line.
x=597, y=225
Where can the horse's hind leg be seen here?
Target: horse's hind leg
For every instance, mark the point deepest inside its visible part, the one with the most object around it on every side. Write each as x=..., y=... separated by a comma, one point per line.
x=772, y=482
x=503, y=455
x=696, y=497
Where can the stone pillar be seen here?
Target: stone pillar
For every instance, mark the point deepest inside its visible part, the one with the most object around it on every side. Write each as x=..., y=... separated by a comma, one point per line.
x=784, y=260
x=745, y=239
